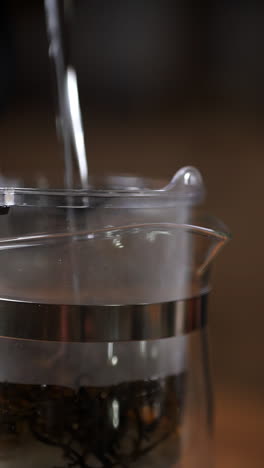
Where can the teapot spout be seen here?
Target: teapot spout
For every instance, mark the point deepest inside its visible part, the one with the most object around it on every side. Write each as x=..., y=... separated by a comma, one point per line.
x=211, y=236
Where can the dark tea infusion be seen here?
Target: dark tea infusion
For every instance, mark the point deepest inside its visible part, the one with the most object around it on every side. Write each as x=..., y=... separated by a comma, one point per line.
x=130, y=424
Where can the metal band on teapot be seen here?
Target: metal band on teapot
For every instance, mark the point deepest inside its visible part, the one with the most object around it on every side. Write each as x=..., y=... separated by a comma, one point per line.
x=84, y=323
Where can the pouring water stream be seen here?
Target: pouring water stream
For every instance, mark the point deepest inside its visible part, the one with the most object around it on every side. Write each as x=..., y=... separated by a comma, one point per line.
x=69, y=120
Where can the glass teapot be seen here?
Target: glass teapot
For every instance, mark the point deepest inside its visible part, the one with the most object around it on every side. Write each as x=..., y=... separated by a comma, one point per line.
x=103, y=325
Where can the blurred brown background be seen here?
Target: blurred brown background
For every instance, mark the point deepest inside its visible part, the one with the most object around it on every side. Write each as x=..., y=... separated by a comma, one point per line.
x=164, y=84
